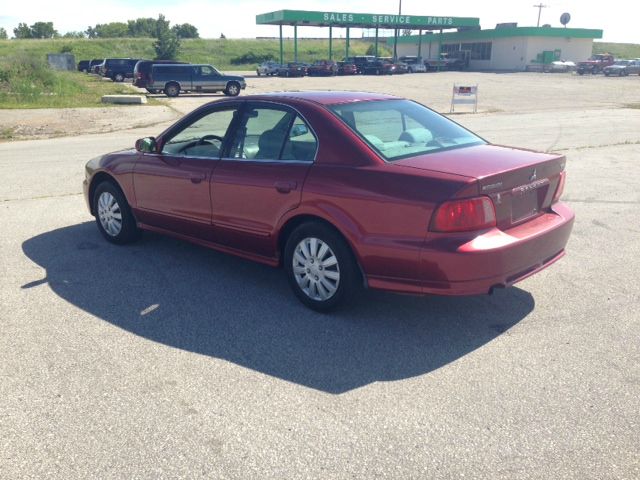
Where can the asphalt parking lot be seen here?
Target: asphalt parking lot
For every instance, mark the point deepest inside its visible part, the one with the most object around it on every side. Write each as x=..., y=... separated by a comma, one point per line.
x=167, y=360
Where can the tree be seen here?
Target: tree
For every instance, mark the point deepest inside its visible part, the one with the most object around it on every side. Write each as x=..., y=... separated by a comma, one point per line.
x=74, y=35
x=3, y=34
x=186, y=30
x=222, y=35
x=111, y=30
x=91, y=32
x=43, y=30
x=167, y=43
x=142, y=27
x=22, y=31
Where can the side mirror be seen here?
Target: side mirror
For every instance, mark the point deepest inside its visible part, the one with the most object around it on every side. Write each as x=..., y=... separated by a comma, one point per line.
x=146, y=145
x=299, y=129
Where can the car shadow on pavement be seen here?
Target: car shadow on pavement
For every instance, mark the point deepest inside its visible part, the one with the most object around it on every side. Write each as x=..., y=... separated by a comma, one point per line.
x=206, y=302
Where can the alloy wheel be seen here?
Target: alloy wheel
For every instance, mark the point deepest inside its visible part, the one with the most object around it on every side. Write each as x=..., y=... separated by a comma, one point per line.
x=316, y=269
x=110, y=214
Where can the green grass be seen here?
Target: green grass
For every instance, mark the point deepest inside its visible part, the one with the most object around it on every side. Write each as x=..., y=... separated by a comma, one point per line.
x=219, y=52
x=618, y=50
x=27, y=82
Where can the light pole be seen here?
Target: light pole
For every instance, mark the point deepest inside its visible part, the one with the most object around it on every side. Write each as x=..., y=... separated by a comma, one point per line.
x=395, y=36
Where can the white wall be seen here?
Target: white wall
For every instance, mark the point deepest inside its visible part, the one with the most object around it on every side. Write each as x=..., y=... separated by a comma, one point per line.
x=512, y=53
x=574, y=49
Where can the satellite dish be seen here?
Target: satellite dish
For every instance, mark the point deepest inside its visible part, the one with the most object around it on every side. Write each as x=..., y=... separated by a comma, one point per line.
x=565, y=18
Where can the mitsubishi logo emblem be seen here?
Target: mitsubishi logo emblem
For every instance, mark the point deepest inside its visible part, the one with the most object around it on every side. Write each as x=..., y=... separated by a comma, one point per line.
x=533, y=176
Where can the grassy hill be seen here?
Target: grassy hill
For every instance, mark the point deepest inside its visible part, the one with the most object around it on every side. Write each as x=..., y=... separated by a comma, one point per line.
x=26, y=82
x=619, y=50
x=227, y=54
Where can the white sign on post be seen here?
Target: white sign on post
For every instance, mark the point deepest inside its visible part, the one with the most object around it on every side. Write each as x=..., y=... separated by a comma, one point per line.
x=464, y=95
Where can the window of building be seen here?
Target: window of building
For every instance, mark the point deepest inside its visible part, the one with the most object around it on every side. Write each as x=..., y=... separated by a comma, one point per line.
x=479, y=50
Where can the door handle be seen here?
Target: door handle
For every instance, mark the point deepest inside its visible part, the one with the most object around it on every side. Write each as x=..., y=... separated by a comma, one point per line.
x=197, y=177
x=285, y=187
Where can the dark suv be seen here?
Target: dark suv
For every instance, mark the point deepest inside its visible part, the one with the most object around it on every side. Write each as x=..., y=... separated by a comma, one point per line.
x=117, y=69
x=83, y=65
x=362, y=62
x=142, y=73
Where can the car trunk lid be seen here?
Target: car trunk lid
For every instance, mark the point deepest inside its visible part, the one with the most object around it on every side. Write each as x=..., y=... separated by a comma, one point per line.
x=520, y=182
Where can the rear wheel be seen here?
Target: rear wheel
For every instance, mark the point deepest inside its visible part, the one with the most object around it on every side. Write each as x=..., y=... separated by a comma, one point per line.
x=320, y=266
x=113, y=215
x=233, y=89
x=172, y=89
x=118, y=77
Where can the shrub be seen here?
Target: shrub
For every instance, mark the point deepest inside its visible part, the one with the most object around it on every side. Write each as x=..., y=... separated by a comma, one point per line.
x=251, y=57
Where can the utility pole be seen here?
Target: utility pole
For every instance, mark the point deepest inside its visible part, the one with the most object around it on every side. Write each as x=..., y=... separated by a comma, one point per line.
x=395, y=39
x=540, y=6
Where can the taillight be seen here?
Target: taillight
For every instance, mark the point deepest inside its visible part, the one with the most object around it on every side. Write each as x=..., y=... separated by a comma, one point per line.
x=560, y=187
x=464, y=215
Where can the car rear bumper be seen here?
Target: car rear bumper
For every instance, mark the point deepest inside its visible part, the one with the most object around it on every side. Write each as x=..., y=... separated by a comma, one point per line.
x=459, y=265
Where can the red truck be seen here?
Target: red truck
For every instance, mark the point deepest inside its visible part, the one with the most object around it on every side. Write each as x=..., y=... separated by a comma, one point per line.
x=595, y=64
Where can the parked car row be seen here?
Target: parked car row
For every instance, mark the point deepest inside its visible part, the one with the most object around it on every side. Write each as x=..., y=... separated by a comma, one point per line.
x=357, y=65
x=166, y=76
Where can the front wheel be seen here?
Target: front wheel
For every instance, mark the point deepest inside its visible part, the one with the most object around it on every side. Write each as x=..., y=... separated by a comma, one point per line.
x=113, y=215
x=320, y=266
x=233, y=89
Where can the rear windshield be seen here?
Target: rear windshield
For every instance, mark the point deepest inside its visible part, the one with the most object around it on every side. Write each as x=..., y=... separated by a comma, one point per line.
x=399, y=129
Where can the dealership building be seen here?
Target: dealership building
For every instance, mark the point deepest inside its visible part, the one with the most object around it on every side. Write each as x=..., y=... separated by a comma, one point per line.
x=507, y=47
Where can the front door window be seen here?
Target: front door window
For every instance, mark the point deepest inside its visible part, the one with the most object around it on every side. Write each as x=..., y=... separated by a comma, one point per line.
x=202, y=138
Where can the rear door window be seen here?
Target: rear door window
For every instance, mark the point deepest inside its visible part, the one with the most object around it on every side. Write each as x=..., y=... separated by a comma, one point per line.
x=271, y=133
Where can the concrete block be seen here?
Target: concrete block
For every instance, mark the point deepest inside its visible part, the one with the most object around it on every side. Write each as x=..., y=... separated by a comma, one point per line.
x=124, y=99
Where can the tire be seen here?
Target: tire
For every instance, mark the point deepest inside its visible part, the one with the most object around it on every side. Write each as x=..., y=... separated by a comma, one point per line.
x=606, y=74
x=320, y=279
x=232, y=89
x=172, y=89
x=109, y=203
x=119, y=77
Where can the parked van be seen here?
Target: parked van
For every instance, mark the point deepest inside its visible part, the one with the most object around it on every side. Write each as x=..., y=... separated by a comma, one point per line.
x=142, y=72
x=173, y=79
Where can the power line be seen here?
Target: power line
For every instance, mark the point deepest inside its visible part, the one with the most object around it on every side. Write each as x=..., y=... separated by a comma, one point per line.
x=540, y=6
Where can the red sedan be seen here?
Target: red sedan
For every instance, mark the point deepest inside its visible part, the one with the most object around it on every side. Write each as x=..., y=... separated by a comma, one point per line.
x=343, y=190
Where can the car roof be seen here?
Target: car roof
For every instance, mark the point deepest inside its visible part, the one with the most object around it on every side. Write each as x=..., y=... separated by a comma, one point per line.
x=324, y=97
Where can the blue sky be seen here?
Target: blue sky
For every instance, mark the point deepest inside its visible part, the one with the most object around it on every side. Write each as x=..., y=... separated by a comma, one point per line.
x=236, y=19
